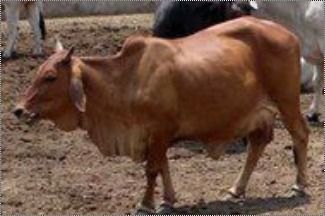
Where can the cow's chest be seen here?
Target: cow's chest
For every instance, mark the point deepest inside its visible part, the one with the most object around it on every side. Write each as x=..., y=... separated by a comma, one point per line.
x=116, y=139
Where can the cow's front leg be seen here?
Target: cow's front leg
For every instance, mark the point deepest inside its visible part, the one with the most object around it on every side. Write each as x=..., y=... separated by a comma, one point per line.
x=167, y=206
x=155, y=162
x=147, y=205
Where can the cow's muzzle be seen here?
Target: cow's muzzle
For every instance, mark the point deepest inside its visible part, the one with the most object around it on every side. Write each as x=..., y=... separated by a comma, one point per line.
x=22, y=114
x=18, y=111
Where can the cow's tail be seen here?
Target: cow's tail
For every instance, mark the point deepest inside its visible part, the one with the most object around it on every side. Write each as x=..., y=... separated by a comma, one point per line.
x=42, y=25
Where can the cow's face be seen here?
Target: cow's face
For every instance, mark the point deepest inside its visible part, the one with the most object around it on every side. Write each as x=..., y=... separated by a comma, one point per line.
x=54, y=93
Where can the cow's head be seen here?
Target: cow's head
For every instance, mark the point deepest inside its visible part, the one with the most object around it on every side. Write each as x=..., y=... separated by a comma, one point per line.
x=56, y=92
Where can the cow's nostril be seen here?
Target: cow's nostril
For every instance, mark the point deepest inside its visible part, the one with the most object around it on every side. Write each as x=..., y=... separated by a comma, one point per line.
x=18, y=112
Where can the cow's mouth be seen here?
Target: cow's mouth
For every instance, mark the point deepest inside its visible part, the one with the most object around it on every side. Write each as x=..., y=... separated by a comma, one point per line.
x=31, y=118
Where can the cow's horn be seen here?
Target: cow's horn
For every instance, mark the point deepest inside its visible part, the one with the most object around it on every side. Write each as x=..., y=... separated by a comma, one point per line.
x=58, y=46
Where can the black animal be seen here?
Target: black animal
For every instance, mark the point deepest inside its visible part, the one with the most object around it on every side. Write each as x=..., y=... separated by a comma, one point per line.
x=175, y=19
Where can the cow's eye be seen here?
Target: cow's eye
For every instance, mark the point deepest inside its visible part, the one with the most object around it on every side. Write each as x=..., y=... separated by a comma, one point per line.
x=50, y=78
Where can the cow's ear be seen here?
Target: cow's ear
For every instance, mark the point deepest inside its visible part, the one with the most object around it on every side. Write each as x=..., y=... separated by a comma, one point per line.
x=77, y=93
x=68, y=56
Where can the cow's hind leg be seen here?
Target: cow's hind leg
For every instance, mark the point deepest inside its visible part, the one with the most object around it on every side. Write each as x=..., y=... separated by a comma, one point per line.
x=285, y=93
x=288, y=103
x=34, y=20
x=299, y=132
x=258, y=139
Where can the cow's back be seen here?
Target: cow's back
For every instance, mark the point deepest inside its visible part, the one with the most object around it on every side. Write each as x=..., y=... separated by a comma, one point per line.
x=246, y=42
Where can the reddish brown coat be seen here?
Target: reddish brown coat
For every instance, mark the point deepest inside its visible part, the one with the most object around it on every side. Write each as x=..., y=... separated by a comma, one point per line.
x=221, y=83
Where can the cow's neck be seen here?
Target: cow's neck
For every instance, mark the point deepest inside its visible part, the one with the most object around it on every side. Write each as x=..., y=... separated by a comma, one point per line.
x=107, y=110
x=106, y=88
x=104, y=83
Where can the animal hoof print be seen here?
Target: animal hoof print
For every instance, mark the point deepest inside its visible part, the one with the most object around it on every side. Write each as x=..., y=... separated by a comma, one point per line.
x=165, y=209
x=313, y=117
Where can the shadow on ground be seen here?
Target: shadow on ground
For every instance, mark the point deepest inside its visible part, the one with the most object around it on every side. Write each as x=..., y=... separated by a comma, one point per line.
x=248, y=206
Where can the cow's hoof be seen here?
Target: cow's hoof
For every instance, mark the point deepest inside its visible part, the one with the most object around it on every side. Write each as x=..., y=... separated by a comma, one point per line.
x=142, y=210
x=3, y=56
x=297, y=191
x=165, y=209
x=6, y=57
x=313, y=117
x=231, y=196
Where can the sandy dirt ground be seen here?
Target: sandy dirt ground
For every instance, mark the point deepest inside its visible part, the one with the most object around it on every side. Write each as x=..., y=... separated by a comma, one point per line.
x=46, y=171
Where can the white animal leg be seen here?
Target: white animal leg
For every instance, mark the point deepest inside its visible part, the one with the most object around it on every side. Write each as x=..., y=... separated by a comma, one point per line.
x=319, y=87
x=12, y=16
x=315, y=108
x=308, y=73
x=34, y=20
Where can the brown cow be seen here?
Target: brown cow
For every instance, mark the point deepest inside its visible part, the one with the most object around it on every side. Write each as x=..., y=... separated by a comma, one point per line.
x=224, y=82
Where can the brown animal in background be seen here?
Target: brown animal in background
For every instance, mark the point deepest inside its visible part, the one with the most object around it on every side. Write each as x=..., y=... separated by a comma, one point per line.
x=224, y=82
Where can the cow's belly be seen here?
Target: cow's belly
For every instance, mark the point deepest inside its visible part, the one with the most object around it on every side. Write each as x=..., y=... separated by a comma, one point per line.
x=222, y=122
x=263, y=114
x=261, y=118
x=226, y=126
